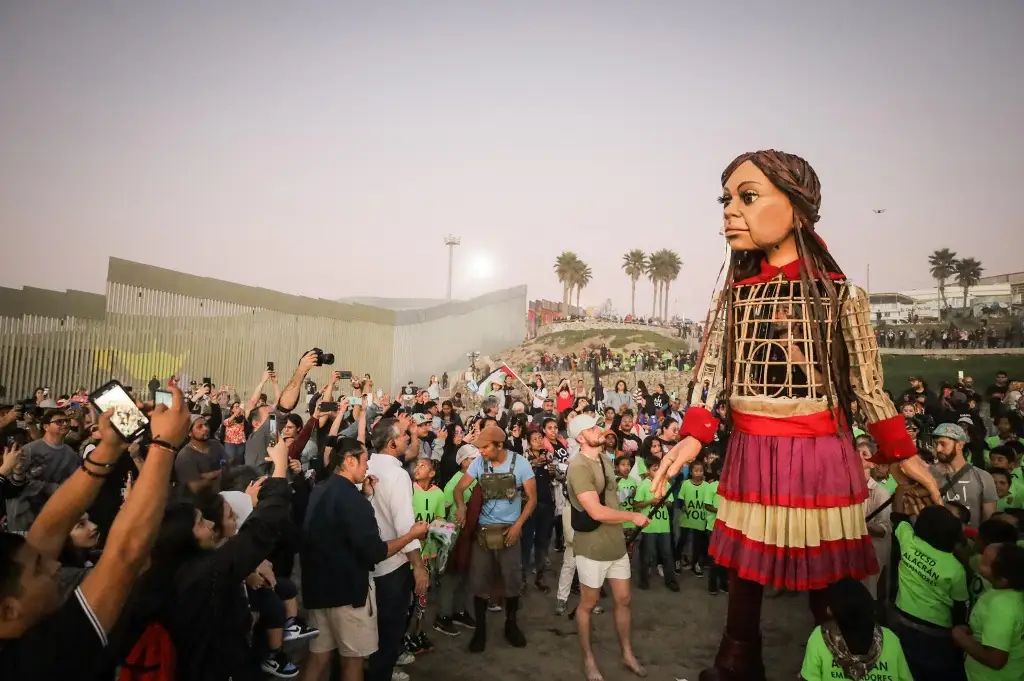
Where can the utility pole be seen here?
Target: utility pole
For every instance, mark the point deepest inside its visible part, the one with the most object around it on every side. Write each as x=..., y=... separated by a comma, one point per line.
x=451, y=242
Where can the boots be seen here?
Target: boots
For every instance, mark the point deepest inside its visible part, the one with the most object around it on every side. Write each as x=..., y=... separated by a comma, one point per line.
x=512, y=633
x=479, y=641
x=736, y=661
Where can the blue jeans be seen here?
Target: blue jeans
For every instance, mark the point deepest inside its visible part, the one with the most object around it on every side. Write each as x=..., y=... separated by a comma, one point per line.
x=235, y=454
x=656, y=548
x=536, y=539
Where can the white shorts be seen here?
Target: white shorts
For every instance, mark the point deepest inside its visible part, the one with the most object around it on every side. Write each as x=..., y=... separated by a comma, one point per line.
x=350, y=631
x=592, y=573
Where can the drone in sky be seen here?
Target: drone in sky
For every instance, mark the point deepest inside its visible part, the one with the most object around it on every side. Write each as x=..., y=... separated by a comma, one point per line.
x=879, y=211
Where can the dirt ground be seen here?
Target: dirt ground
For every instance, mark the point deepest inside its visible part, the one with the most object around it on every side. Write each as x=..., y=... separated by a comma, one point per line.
x=675, y=635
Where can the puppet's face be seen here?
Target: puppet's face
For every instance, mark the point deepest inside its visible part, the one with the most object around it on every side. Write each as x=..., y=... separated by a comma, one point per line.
x=758, y=217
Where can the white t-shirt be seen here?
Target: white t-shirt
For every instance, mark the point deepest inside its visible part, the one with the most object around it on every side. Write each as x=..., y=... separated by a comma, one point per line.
x=539, y=396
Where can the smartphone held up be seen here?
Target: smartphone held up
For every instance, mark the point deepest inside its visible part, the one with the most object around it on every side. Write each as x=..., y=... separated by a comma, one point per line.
x=127, y=418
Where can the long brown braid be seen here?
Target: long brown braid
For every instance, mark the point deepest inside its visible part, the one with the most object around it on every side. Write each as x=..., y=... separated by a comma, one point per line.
x=796, y=178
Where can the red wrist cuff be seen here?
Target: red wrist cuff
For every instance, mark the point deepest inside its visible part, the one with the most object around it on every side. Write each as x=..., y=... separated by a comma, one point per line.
x=699, y=423
x=893, y=440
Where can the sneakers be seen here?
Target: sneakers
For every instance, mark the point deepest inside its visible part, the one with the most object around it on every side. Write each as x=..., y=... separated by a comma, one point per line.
x=661, y=571
x=541, y=586
x=446, y=626
x=698, y=570
x=296, y=630
x=414, y=645
x=423, y=643
x=560, y=608
x=464, y=619
x=712, y=591
x=278, y=665
x=493, y=607
x=672, y=586
x=405, y=659
x=399, y=675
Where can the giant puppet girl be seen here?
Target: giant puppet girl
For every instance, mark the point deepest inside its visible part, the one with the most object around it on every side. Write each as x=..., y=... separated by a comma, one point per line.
x=791, y=344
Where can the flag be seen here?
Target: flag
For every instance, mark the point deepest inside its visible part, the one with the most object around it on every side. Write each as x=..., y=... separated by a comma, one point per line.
x=498, y=376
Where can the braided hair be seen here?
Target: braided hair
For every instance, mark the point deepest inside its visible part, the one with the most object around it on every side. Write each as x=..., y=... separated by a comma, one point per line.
x=795, y=177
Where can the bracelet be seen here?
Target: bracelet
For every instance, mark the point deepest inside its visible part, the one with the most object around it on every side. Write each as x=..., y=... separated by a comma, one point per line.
x=163, y=445
x=88, y=459
x=94, y=473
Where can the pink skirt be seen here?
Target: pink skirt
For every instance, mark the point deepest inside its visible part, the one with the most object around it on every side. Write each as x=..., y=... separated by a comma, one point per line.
x=792, y=511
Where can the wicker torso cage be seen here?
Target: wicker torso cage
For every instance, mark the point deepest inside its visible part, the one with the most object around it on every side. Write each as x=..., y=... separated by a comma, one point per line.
x=774, y=369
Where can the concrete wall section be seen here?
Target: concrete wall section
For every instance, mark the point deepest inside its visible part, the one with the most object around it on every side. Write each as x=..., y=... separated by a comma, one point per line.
x=157, y=322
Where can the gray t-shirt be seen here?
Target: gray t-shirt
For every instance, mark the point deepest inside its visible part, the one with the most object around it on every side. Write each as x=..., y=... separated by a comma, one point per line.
x=974, y=488
x=47, y=468
x=191, y=464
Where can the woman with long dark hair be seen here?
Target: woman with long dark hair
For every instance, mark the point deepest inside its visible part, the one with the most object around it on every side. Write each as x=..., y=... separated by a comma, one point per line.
x=790, y=340
x=204, y=608
x=445, y=448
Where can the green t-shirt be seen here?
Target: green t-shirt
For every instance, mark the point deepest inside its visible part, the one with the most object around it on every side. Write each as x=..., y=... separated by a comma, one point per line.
x=1009, y=501
x=449, y=495
x=711, y=498
x=976, y=584
x=627, y=492
x=997, y=621
x=692, y=515
x=930, y=581
x=889, y=484
x=660, y=523
x=820, y=665
x=427, y=504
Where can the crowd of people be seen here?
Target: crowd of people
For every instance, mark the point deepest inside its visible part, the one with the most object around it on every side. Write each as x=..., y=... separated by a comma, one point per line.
x=952, y=337
x=602, y=358
x=236, y=526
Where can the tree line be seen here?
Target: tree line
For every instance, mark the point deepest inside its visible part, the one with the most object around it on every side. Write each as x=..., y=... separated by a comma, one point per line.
x=661, y=267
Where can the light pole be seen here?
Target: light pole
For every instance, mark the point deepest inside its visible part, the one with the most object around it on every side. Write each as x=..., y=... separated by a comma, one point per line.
x=451, y=242
x=473, y=357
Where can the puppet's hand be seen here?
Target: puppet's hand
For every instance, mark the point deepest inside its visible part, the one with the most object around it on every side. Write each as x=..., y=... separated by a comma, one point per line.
x=914, y=469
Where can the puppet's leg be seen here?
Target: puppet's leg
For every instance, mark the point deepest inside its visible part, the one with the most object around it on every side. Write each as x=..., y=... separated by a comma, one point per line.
x=739, y=654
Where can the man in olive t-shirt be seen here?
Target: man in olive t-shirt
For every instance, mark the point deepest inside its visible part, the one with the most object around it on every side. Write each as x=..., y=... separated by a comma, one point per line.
x=600, y=553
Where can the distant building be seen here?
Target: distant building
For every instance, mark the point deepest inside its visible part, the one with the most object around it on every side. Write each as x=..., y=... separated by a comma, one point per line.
x=924, y=303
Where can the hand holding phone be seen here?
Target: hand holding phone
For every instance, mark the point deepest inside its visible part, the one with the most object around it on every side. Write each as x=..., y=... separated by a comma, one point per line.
x=126, y=418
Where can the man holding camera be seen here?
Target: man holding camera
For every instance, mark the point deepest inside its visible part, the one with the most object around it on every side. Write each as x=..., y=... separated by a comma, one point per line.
x=256, y=445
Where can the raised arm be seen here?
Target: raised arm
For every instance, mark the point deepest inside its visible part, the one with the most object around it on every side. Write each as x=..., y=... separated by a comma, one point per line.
x=289, y=397
x=255, y=397
x=885, y=424
x=135, y=526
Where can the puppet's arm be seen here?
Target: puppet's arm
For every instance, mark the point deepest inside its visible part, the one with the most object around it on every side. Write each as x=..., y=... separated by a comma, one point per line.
x=885, y=424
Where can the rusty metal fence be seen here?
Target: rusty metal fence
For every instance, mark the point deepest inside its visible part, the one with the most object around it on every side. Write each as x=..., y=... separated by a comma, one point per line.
x=154, y=322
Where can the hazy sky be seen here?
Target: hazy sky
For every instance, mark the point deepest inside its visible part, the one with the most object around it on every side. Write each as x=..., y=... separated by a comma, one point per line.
x=326, y=148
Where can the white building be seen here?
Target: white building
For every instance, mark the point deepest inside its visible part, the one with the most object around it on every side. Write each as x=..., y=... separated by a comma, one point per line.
x=925, y=302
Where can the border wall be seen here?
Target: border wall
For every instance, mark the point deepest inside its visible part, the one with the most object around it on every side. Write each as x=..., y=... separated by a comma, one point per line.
x=158, y=322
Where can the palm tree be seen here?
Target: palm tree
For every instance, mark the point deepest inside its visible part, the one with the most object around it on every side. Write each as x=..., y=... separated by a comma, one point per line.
x=565, y=265
x=635, y=264
x=581, y=277
x=655, y=267
x=968, y=273
x=943, y=266
x=670, y=266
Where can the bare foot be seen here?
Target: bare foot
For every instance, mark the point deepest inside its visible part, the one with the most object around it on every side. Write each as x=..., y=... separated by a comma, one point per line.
x=630, y=663
x=590, y=669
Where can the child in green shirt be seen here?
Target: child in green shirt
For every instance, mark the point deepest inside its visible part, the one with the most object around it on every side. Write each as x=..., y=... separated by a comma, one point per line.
x=692, y=521
x=1004, y=490
x=851, y=645
x=427, y=504
x=994, y=639
x=718, y=579
x=627, y=487
x=656, y=538
x=451, y=611
x=1007, y=457
x=991, y=531
x=932, y=592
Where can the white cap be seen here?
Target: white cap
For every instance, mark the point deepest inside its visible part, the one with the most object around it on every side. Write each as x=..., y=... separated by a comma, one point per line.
x=581, y=423
x=465, y=453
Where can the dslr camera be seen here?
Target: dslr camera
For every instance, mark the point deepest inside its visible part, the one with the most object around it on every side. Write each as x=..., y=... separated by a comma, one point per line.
x=323, y=358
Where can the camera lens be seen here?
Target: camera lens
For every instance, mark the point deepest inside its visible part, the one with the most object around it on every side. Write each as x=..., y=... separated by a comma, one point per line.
x=327, y=358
